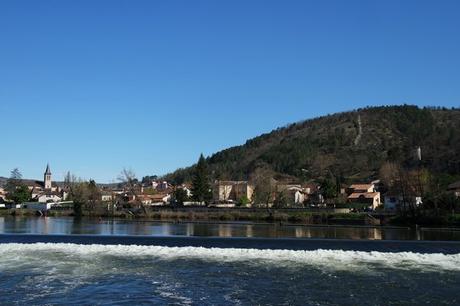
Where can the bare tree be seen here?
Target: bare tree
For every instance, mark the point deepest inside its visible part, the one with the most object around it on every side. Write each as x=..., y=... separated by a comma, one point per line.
x=94, y=196
x=264, y=187
x=78, y=193
x=132, y=187
x=410, y=185
x=389, y=173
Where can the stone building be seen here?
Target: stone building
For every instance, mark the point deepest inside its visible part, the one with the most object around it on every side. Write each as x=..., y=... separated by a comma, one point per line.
x=232, y=191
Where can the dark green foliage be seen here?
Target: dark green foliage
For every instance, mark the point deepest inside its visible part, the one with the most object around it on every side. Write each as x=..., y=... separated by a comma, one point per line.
x=280, y=200
x=16, y=190
x=328, y=189
x=77, y=209
x=243, y=201
x=20, y=195
x=326, y=144
x=201, y=189
x=180, y=196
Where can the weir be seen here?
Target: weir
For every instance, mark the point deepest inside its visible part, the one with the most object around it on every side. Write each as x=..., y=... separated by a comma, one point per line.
x=390, y=246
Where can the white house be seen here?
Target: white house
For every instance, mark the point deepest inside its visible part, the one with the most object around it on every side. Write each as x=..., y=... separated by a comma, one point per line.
x=395, y=202
x=187, y=189
x=106, y=196
x=295, y=193
x=49, y=197
x=162, y=186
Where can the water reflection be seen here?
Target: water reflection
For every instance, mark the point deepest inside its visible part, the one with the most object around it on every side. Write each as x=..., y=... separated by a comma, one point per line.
x=51, y=225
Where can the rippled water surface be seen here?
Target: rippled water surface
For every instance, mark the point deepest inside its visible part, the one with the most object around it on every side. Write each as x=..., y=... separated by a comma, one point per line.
x=39, y=274
x=50, y=225
x=72, y=274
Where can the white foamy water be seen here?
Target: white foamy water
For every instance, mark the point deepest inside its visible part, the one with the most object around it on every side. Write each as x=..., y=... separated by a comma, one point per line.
x=49, y=253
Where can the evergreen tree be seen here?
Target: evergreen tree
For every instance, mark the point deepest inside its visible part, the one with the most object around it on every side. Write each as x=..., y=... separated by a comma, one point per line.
x=201, y=189
x=328, y=189
x=180, y=196
x=21, y=194
x=14, y=181
x=17, y=191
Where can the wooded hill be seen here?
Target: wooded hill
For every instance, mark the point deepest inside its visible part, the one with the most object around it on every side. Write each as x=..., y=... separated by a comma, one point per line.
x=352, y=145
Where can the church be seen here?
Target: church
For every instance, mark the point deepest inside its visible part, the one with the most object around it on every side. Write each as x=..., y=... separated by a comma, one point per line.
x=46, y=191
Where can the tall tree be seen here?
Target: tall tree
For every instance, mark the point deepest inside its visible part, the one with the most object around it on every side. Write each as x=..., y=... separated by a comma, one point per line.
x=132, y=187
x=21, y=194
x=94, y=195
x=328, y=189
x=13, y=181
x=264, y=187
x=78, y=193
x=180, y=196
x=17, y=191
x=201, y=189
x=281, y=200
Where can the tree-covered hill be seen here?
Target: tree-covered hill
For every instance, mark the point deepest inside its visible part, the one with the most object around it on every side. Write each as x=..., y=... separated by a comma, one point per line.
x=351, y=145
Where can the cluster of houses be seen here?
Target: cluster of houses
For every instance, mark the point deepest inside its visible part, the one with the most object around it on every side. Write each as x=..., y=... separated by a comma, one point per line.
x=156, y=193
x=43, y=194
x=362, y=195
x=226, y=193
x=368, y=195
x=46, y=193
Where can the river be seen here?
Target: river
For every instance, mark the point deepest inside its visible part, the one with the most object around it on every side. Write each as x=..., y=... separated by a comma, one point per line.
x=95, y=226
x=52, y=270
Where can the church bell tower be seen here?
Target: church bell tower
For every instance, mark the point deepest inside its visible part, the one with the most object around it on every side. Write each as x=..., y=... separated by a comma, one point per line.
x=47, y=177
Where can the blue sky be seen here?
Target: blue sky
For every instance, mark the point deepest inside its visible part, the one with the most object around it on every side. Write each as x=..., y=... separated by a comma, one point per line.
x=96, y=86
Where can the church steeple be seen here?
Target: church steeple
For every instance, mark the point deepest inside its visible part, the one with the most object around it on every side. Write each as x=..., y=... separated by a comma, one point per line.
x=47, y=177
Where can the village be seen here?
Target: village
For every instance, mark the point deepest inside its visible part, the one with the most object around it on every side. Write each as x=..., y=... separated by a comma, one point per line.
x=357, y=197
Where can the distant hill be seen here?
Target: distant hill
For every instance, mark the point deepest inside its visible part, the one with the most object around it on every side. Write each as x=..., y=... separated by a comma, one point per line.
x=352, y=145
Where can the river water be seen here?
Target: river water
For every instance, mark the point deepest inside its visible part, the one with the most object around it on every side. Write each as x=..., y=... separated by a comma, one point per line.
x=56, y=273
x=66, y=225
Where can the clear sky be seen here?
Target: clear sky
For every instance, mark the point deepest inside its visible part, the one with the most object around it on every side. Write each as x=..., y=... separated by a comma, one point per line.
x=94, y=86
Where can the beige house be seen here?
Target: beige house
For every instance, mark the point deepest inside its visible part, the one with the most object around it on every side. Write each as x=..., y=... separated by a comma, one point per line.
x=107, y=196
x=361, y=188
x=370, y=198
x=232, y=191
x=157, y=199
x=363, y=194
